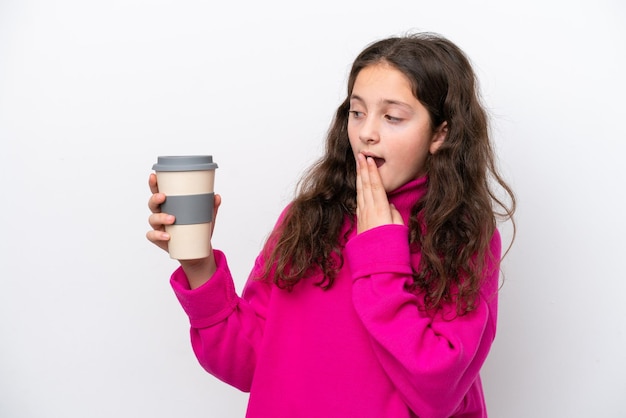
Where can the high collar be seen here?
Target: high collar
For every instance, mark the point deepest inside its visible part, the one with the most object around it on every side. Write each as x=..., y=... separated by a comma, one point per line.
x=404, y=197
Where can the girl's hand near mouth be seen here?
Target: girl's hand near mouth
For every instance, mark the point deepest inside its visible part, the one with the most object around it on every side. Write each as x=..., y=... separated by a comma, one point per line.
x=372, y=206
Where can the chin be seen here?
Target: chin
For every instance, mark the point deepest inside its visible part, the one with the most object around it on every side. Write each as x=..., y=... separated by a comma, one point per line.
x=389, y=187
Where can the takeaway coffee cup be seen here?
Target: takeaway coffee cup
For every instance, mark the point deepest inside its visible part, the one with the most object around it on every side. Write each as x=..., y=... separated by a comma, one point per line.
x=187, y=182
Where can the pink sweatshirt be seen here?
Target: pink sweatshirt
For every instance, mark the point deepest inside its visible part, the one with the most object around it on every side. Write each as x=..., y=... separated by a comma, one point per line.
x=360, y=349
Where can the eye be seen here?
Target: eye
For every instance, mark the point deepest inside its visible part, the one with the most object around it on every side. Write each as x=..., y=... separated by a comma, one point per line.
x=393, y=119
x=356, y=114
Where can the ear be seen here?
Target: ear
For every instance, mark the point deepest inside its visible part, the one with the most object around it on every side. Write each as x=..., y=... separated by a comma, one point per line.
x=440, y=134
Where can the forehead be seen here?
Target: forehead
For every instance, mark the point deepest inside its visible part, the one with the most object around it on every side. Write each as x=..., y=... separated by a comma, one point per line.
x=382, y=82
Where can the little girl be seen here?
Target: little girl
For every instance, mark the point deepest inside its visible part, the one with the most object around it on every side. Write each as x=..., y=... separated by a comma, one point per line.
x=376, y=293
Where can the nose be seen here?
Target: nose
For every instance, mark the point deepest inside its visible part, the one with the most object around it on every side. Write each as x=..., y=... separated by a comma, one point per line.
x=369, y=132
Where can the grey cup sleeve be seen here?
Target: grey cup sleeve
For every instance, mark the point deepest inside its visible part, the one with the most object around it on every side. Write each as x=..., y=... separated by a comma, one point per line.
x=190, y=209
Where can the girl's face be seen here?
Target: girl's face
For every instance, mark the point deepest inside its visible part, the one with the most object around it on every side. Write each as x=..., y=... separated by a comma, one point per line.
x=389, y=124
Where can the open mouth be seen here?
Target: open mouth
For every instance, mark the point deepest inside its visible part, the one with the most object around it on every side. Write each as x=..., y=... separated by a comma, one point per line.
x=379, y=161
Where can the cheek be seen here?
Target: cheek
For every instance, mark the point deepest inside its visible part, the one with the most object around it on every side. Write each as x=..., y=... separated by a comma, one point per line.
x=417, y=162
x=353, y=138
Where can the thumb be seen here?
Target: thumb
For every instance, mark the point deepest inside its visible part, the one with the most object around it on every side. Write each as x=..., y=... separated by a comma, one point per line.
x=216, y=205
x=217, y=201
x=396, y=218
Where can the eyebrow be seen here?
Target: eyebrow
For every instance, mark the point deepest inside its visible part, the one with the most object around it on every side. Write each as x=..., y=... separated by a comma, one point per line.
x=384, y=101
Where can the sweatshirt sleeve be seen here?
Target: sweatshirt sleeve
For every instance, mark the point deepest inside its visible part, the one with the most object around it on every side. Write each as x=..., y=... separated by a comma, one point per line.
x=225, y=329
x=433, y=361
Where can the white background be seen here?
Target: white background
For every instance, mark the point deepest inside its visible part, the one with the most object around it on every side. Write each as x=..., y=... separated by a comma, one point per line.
x=91, y=92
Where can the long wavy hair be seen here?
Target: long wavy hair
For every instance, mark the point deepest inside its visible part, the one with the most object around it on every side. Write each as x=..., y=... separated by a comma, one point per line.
x=451, y=225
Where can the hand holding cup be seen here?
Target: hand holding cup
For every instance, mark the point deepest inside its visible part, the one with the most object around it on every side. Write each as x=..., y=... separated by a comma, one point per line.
x=187, y=185
x=184, y=208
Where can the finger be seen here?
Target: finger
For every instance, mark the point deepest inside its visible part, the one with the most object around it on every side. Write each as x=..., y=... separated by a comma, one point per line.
x=155, y=201
x=359, y=181
x=375, y=182
x=152, y=182
x=158, y=221
x=364, y=172
x=158, y=237
x=396, y=218
x=217, y=201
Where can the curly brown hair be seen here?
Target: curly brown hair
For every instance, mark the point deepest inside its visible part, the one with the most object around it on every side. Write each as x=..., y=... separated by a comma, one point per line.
x=451, y=225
